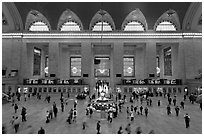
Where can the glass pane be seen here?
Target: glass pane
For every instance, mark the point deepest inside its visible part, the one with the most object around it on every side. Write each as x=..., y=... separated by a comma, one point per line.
x=165, y=26
x=75, y=66
x=167, y=62
x=70, y=26
x=98, y=27
x=128, y=66
x=134, y=26
x=38, y=26
x=37, y=61
x=102, y=66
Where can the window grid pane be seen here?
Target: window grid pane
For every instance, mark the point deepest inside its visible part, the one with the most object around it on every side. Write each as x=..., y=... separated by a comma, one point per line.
x=98, y=27
x=75, y=66
x=165, y=26
x=38, y=26
x=134, y=26
x=128, y=67
x=70, y=26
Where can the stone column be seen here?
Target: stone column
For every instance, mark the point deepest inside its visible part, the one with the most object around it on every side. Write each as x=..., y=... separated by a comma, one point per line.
x=150, y=59
x=54, y=59
x=87, y=63
x=118, y=53
x=23, y=62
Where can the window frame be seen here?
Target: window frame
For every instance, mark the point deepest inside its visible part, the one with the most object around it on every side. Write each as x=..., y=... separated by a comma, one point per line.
x=71, y=65
x=133, y=66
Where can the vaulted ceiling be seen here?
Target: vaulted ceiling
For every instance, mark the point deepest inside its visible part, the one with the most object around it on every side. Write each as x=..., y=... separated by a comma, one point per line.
x=117, y=10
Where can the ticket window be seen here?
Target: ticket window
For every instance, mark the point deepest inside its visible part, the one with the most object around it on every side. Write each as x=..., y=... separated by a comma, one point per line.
x=174, y=90
x=45, y=89
x=69, y=89
x=150, y=89
x=59, y=90
x=35, y=90
x=64, y=89
x=164, y=90
x=50, y=90
x=179, y=90
x=79, y=89
x=54, y=89
x=125, y=90
x=130, y=90
x=40, y=89
x=169, y=90
x=30, y=89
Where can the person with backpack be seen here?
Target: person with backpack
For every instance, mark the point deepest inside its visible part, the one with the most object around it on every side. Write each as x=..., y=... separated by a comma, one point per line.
x=187, y=120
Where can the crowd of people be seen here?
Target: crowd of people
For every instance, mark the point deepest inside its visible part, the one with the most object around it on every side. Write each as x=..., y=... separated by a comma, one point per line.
x=138, y=105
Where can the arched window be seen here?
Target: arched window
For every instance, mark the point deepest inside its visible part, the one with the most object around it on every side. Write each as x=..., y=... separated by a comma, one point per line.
x=98, y=27
x=39, y=26
x=166, y=26
x=134, y=26
x=70, y=26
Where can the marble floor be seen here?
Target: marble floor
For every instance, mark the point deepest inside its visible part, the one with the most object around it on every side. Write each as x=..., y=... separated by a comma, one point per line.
x=157, y=119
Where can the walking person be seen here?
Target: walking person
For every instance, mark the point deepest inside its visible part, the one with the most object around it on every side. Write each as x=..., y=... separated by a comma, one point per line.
x=23, y=114
x=174, y=101
x=15, y=107
x=141, y=108
x=150, y=102
x=182, y=104
x=132, y=116
x=128, y=112
x=187, y=120
x=41, y=131
x=168, y=110
x=200, y=105
x=55, y=110
x=128, y=128
x=62, y=106
x=16, y=124
x=177, y=110
x=159, y=103
x=98, y=127
x=120, y=131
x=146, y=111
x=90, y=111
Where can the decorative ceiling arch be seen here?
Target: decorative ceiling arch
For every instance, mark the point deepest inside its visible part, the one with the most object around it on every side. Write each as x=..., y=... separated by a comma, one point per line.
x=69, y=16
x=35, y=16
x=169, y=16
x=135, y=16
x=192, y=17
x=11, y=18
x=100, y=16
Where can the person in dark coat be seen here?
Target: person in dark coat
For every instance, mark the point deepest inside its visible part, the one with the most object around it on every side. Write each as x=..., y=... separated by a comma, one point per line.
x=146, y=111
x=170, y=99
x=182, y=104
x=23, y=114
x=159, y=102
x=15, y=107
x=62, y=106
x=187, y=120
x=168, y=110
x=90, y=111
x=41, y=131
x=150, y=102
x=141, y=108
x=98, y=127
x=174, y=101
x=201, y=105
x=177, y=110
x=120, y=131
